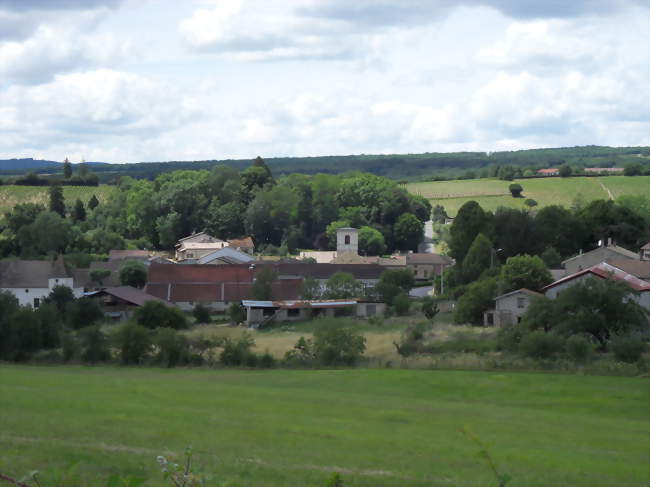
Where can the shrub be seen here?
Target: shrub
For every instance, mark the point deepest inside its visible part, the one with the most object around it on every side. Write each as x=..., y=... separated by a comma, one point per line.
x=155, y=314
x=402, y=304
x=627, y=348
x=515, y=190
x=82, y=313
x=338, y=344
x=540, y=345
x=201, y=313
x=509, y=338
x=236, y=313
x=579, y=348
x=133, y=342
x=412, y=339
x=133, y=273
x=530, y=202
x=237, y=352
x=429, y=307
x=266, y=361
x=173, y=348
x=302, y=353
x=94, y=345
x=393, y=282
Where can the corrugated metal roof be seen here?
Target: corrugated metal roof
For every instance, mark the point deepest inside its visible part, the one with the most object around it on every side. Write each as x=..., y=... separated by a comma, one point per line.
x=300, y=304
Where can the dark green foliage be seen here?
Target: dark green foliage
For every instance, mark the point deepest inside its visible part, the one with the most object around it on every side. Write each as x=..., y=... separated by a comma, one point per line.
x=51, y=325
x=173, y=348
x=48, y=233
x=393, y=282
x=262, y=288
x=98, y=275
x=133, y=273
x=565, y=171
x=93, y=202
x=608, y=219
x=236, y=313
x=469, y=222
x=598, y=308
x=23, y=214
x=412, y=339
x=530, y=202
x=310, y=289
x=516, y=190
x=335, y=480
x=237, y=352
x=409, y=232
x=509, y=338
x=478, y=298
x=402, y=304
x=57, y=202
x=266, y=361
x=155, y=314
x=551, y=258
x=633, y=169
x=335, y=343
x=302, y=353
x=514, y=232
x=342, y=285
x=79, y=212
x=579, y=348
x=67, y=169
x=540, y=345
x=524, y=271
x=371, y=241
x=201, y=313
x=8, y=306
x=429, y=307
x=60, y=296
x=439, y=215
x=133, y=342
x=478, y=259
x=94, y=344
x=82, y=313
x=627, y=348
x=557, y=227
x=26, y=333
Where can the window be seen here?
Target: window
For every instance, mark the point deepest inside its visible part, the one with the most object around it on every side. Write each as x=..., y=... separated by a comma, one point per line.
x=521, y=303
x=293, y=313
x=371, y=310
x=56, y=280
x=347, y=240
x=37, y=302
x=268, y=312
x=26, y=290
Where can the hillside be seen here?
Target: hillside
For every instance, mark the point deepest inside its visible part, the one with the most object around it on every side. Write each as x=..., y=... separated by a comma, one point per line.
x=12, y=195
x=492, y=193
x=407, y=167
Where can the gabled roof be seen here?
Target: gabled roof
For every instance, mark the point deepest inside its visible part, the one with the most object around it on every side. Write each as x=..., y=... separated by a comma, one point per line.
x=614, y=248
x=412, y=259
x=646, y=246
x=200, y=234
x=638, y=268
x=518, y=291
x=128, y=254
x=31, y=273
x=606, y=271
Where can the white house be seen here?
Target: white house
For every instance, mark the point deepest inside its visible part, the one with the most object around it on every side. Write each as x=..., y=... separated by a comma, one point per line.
x=32, y=280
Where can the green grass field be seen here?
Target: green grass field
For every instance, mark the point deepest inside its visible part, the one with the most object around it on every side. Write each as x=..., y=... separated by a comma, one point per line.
x=381, y=427
x=492, y=193
x=10, y=196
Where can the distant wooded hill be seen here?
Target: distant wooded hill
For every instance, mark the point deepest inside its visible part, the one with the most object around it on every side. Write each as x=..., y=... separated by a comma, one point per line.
x=408, y=167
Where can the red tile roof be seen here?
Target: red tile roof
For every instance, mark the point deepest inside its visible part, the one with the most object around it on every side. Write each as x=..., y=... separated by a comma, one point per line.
x=606, y=271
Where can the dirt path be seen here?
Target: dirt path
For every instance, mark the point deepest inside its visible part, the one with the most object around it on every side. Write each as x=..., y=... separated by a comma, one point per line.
x=606, y=189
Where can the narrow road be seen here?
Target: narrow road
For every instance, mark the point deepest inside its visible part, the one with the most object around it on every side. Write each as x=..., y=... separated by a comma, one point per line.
x=606, y=189
x=427, y=245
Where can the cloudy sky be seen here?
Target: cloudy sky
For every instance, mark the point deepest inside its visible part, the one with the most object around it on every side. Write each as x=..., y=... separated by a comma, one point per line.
x=155, y=80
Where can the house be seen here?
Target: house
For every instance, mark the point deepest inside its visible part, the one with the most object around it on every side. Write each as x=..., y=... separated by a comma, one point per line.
x=603, y=270
x=510, y=307
x=260, y=313
x=603, y=253
x=426, y=266
x=225, y=256
x=33, y=280
x=120, y=302
x=645, y=252
x=551, y=171
x=197, y=245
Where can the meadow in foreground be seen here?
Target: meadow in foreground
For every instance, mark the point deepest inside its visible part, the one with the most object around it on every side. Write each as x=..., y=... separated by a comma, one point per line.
x=282, y=427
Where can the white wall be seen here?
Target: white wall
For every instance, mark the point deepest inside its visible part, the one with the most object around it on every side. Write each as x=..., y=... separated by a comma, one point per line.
x=26, y=296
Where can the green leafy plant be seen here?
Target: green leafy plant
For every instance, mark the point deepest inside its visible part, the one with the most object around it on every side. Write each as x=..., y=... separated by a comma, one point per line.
x=502, y=478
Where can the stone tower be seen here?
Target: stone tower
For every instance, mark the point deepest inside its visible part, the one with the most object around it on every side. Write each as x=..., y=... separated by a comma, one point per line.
x=347, y=240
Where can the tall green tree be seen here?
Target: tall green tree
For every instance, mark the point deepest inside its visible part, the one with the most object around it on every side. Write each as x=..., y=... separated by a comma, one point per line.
x=133, y=273
x=78, y=212
x=343, y=285
x=262, y=288
x=469, y=222
x=371, y=241
x=409, y=232
x=67, y=169
x=524, y=271
x=478, y=259
x=57, y=202
x=93, y=202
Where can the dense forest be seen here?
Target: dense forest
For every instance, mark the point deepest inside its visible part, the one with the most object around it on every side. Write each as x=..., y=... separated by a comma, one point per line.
x=396, y=166
x=281, y=214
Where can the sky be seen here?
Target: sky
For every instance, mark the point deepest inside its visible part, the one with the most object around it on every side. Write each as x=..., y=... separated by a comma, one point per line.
x=157, y=80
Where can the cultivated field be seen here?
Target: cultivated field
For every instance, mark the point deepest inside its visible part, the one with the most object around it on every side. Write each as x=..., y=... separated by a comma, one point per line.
x=492, y=193
x=381, y=427
x=10, y=196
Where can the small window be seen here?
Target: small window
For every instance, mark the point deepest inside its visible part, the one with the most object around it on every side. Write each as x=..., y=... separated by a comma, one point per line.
x=347, y=240
x=293, y=313
x=521, y=303
x=56, y=280
x=371, y=310
x=268, y=312
x=37, y=302
x=26, y=290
